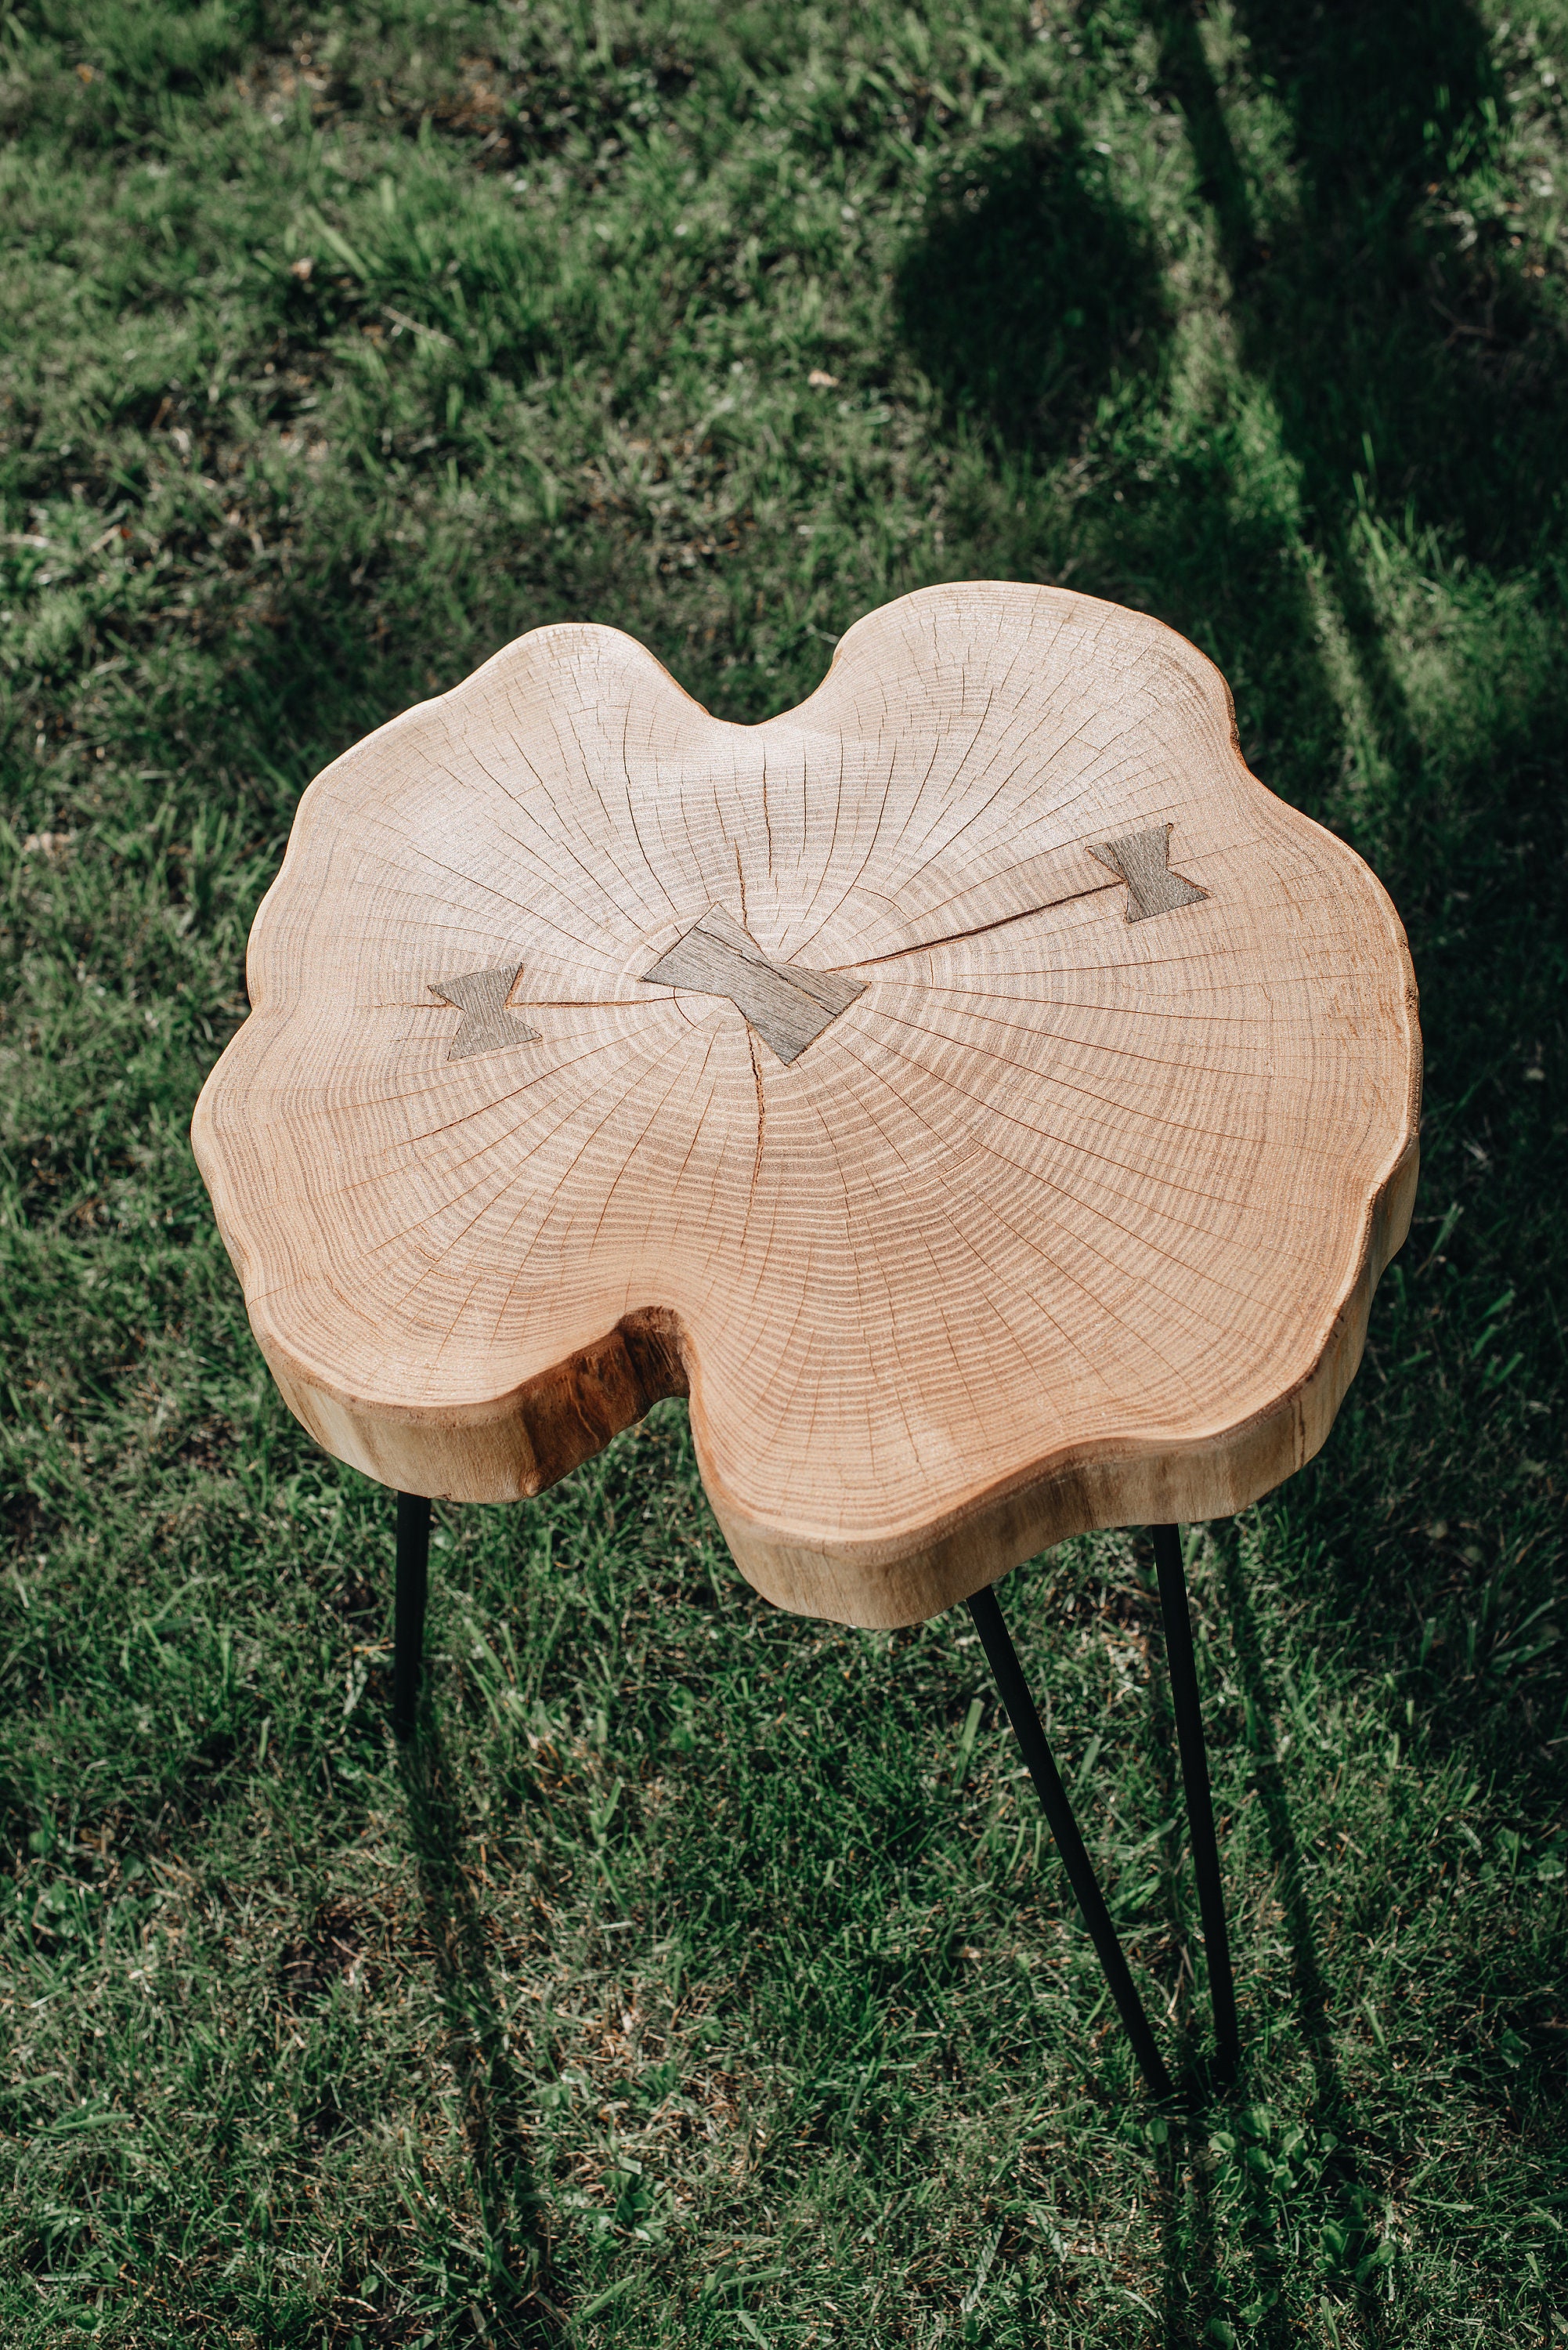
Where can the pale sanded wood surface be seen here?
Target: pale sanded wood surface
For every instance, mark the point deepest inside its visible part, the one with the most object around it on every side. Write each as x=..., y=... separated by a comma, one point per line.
x=987, y=1100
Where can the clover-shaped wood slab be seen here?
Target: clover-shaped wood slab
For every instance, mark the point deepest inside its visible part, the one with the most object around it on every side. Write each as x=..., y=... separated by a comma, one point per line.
x=985, y=1099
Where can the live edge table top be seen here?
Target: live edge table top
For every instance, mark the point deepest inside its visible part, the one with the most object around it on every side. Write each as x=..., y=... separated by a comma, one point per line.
x=985, y=1099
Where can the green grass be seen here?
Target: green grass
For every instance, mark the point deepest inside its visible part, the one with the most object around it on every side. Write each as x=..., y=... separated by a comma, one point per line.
x=705, y=1981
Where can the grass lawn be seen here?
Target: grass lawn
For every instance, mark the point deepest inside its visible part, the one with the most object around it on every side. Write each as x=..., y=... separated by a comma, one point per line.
x=704, y=1980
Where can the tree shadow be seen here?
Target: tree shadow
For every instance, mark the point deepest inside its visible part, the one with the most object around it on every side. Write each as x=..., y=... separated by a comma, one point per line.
x=1412, y=362
x=1409, y=364
x=1399, y=333
x=1030, y=292
x=1406, y=358
x=492, y=2094
x=1033, y=302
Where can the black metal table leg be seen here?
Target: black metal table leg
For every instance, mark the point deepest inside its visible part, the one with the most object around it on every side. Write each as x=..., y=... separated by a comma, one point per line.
x=409, y=1636
x=1080, y=1869
x=1189, y=1714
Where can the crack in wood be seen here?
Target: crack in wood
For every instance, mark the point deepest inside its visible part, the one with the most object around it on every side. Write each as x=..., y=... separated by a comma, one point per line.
x=1152, y=889
x=982, y=930
x=787, y=1006
x=486, y=1025
x=1143, y=861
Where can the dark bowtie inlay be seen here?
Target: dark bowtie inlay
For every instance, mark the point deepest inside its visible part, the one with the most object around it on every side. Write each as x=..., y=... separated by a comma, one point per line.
x=789, y=1008
x=486, y=1023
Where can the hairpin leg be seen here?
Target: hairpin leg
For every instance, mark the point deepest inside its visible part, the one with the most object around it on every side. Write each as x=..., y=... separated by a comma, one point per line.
x=1199, y=1803
x=1080, y=1869
x=413, y=1561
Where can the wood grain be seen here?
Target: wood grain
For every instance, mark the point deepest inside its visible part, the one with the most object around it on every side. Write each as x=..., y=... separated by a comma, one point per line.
x=1067, y=1211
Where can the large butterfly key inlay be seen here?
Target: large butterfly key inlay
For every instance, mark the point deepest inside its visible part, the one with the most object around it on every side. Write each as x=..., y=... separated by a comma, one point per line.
x=788, y=1006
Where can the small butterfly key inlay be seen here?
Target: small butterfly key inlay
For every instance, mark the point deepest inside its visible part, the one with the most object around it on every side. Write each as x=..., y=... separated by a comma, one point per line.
x=486, y=1025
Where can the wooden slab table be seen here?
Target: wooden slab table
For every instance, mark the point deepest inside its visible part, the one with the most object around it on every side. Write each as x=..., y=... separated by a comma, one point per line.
x=984, y=1099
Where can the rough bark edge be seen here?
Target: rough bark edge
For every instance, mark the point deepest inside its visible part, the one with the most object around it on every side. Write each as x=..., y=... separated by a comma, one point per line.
x=512, y=1448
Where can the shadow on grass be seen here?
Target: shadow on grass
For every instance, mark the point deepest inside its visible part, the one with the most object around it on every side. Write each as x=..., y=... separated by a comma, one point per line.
x=1030, y=292
x=1187, y=2052
x=1400, y=357
x=1379, y=313
x=1188, y=2226
x=1347, y=2192
x=1190, y=2241
x=1033, y=303
x=492, y=2094
x=1183, y=2202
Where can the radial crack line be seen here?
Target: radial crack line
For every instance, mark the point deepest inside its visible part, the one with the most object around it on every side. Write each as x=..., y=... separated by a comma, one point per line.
x=955, y=937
